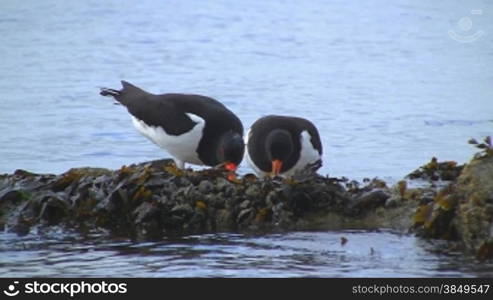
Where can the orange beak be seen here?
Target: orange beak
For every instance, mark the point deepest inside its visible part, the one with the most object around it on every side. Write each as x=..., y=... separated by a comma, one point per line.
x=231, y=177
x=276, y=167
x=230, y=166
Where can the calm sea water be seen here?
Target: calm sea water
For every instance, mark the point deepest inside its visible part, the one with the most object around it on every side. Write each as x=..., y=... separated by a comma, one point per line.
x=389, y=84
x=298, y=254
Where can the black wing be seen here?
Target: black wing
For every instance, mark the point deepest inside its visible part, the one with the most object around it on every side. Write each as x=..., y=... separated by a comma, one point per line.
x=156, y=110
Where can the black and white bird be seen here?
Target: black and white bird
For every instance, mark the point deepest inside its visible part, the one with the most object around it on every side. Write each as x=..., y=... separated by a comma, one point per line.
x=192, y=128
x=282, y=146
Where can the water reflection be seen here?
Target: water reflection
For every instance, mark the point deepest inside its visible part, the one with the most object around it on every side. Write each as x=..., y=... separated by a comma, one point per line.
x=300, y=254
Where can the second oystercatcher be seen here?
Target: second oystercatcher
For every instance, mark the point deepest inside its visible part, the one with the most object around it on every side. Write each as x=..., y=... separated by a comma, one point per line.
x=283, y=145
x=194, y=129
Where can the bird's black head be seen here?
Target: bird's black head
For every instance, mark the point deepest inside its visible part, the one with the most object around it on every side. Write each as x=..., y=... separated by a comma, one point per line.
x=230, y=150
x=279, y=147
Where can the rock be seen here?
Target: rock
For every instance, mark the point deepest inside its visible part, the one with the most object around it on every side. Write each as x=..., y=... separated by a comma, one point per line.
x=252, y=191
x=205, y=187
x=434, y=170
x=393, y=201
x=244, y=204
x=244, y=214
x=154, y=199
x=462, y=211
x=370, y=200
x=144, y=212
x=474, y=194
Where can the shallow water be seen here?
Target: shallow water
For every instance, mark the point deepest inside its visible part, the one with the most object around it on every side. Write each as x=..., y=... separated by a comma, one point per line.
x=383, y=81
x=299, y=254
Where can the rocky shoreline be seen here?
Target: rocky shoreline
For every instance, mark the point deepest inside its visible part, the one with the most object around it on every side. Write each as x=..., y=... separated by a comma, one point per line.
x=154, y=199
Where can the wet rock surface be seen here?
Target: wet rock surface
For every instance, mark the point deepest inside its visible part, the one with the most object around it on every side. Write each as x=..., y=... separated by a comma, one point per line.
x=461, y=210
x=154, y=199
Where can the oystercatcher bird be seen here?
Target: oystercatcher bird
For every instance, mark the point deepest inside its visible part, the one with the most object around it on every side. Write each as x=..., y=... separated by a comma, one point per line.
x=283, y=145
x=194, y=129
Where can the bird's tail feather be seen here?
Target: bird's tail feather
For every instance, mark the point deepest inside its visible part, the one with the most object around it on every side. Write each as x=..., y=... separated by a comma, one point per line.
x=109, y=92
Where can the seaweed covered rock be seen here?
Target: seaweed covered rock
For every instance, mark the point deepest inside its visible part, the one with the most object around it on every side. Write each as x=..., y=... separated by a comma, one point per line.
x=461, y=210
x=435, y=170
x=441, y=200
x=474, y=195
x=155, y=199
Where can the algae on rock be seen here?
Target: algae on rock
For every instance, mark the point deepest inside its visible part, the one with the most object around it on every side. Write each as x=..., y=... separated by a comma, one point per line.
x=154, y=199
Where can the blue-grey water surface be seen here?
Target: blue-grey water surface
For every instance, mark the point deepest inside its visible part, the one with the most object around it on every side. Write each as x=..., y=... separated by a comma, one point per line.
x=297, y=254
x=389, y=84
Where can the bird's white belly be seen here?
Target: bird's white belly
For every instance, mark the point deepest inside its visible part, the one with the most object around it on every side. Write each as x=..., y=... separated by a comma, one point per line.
x=308, y=154
x=182, y=147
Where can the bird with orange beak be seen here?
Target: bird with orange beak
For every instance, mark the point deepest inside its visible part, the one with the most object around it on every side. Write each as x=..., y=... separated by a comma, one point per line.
x=282, y=145
x=193, y=129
